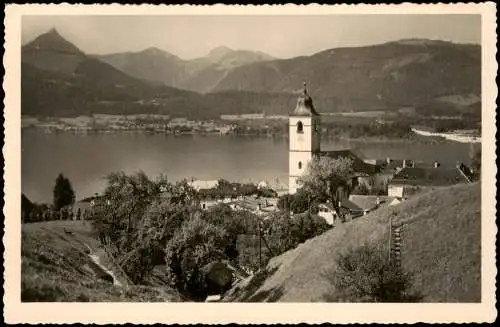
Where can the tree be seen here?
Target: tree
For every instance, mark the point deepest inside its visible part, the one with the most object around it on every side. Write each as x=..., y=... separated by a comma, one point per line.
x=284, y=202
x=63, y=193
x=328, y=178
x=117, y=217
x=476, y=163
x=280, y=233
x=277, y=229
x=361, y=189
x=138, y=216
x=299, y=202
x=223, y=216
x=26, y=207
x=307, y=226
x=125, y=200
x=363, y=275
x=196, y=244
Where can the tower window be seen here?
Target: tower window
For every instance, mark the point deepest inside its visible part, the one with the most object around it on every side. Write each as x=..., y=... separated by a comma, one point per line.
x=300, y=127
x=300, y=164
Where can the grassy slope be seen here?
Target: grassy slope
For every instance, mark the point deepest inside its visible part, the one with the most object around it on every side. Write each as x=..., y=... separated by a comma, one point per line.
x=56, y=267
x=441, y=245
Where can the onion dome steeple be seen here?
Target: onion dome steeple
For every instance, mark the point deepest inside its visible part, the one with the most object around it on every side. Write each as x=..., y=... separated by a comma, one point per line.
x=305, y=105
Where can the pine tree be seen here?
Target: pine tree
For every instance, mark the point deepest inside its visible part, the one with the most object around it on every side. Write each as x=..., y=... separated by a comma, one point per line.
x=63, y=192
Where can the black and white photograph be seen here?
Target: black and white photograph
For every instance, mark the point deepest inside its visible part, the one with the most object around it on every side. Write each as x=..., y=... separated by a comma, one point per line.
x=323, y=157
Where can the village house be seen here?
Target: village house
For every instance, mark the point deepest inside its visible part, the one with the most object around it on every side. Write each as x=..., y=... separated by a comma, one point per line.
x=256, y=205
x=327, y=212
x=349, y=209
x=201, y=184
x=388, y=168
x=182, y=122
x=252, y=116
x=230, y=117
x=356, y=206
x=277, y=117
x=225, y=129
x=410, y=179
x=259, y=206
x=207, y=204
x=81, y=210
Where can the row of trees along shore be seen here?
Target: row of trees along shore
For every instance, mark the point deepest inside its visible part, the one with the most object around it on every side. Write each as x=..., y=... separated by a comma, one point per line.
x=61, y=207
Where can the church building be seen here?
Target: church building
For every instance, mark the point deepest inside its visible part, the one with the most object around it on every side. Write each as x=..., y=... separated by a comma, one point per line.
x=305, y=143
x=304, y=132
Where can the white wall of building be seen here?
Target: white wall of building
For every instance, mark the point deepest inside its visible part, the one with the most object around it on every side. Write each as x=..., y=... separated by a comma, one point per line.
x=303, y=145
x=327, y=213
x=308, y=140
x=395, y=190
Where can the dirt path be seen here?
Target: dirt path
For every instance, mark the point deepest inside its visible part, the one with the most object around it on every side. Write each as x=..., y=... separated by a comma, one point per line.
x=97, y=260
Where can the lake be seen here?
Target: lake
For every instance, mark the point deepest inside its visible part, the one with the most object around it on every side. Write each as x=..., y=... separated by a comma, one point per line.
x=87, y=159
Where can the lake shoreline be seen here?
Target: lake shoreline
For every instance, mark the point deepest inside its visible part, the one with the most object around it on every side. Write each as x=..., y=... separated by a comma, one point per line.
x=417, y=138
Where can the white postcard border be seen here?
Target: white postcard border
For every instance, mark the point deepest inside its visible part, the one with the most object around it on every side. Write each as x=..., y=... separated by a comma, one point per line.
x=211, y=313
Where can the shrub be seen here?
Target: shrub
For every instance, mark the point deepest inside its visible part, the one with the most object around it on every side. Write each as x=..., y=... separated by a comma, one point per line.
x=196, y=244
x=363, y=275
x=299, y=202
x=361, y=189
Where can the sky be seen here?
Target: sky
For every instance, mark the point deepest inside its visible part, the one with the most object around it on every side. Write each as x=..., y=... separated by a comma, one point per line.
x=280, y=36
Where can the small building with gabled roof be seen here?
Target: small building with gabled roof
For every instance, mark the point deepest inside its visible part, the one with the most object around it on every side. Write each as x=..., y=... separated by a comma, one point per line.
x=409, y=179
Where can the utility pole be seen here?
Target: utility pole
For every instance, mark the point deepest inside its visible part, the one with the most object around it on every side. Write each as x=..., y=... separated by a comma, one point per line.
x=309, y=203
x=260, y=245
x=390, y=236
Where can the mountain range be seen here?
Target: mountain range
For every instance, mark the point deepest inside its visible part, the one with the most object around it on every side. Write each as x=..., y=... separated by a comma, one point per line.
x=60, y=79
x=201, y=74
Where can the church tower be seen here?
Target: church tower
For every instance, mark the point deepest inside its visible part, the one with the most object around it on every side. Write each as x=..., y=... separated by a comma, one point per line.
x=304, y=135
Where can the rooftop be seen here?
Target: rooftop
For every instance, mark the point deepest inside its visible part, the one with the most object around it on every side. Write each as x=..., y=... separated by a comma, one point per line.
x=369, y=202
x=344, y=204
x=429, y=176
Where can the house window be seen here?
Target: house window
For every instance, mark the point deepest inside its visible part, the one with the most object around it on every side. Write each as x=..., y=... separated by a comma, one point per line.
x=300, y=164
x=300, y=127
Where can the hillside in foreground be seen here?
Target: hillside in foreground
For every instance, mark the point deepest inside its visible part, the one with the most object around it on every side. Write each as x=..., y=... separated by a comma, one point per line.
x=62, y=261
x=441, y=247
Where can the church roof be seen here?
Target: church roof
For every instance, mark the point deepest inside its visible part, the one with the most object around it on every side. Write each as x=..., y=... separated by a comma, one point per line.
x=305, y=106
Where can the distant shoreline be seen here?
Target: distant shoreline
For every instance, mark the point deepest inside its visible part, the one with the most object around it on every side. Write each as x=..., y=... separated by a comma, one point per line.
x=429, y=138
x=451, y=136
